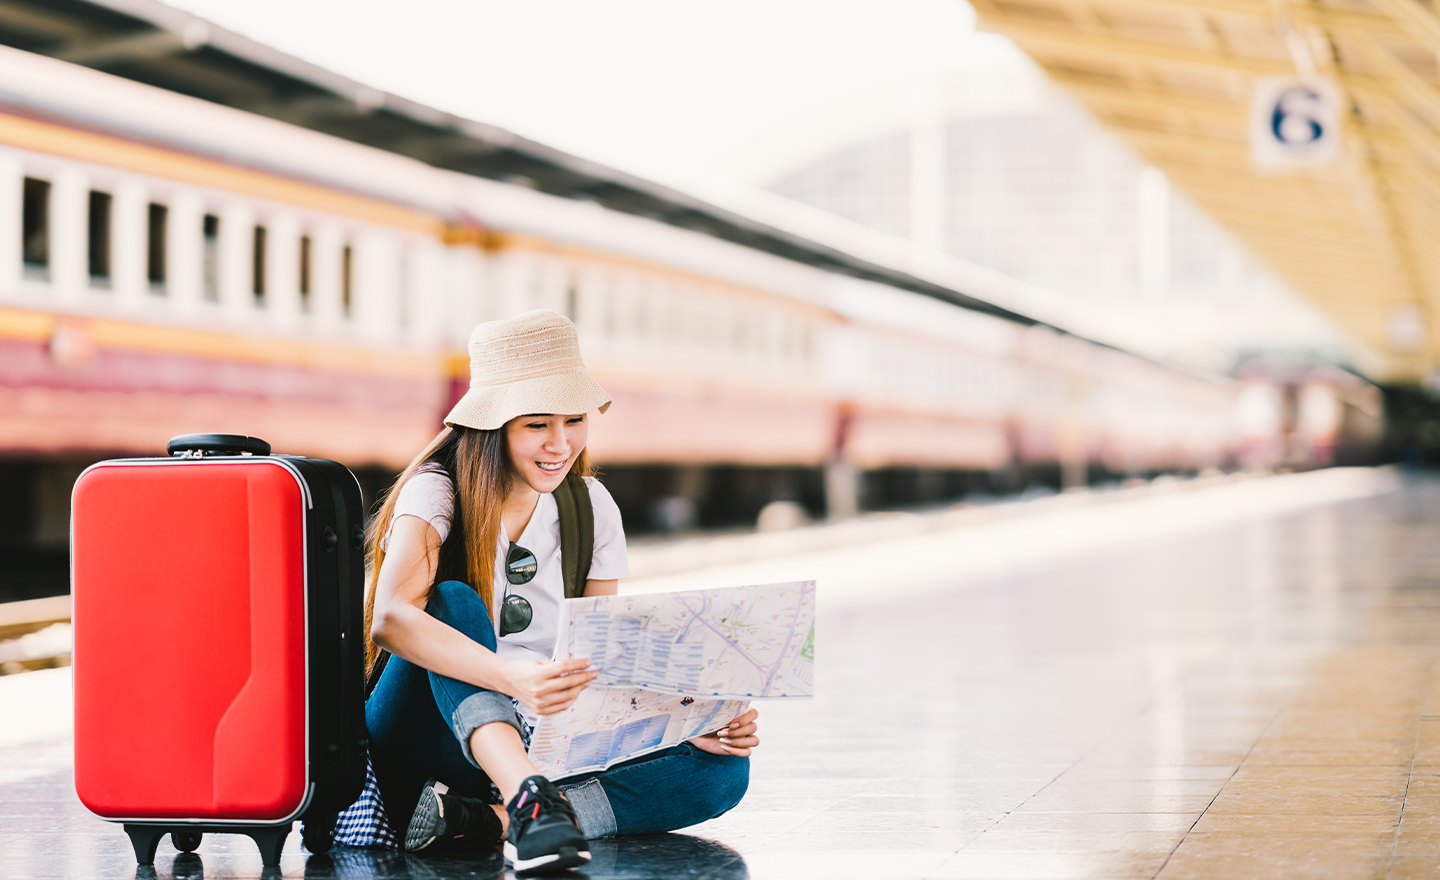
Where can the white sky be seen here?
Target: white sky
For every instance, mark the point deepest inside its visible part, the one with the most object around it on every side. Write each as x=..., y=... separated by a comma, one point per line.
x=697, y=95
x=655, y=87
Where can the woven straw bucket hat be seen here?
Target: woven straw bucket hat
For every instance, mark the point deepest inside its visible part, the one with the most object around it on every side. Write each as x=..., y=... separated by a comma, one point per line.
x=526, y=364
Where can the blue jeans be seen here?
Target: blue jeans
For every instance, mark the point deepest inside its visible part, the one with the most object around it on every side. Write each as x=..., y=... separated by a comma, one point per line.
x=420, y=725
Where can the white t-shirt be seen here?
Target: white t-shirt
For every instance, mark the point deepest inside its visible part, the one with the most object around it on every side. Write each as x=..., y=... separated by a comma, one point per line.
x=430, y=495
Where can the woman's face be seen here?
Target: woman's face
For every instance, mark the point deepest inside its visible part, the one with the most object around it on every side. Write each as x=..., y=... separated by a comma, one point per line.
x=542, y=447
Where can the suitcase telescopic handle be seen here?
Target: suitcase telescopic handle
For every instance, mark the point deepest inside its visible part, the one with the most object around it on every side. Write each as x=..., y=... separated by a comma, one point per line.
x=198, y=445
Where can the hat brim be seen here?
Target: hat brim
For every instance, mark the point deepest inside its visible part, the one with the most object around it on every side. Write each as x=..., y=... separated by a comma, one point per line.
x=488, y=408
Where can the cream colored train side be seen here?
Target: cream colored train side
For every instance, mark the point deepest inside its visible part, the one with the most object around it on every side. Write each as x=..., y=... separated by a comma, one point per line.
x=169, y=265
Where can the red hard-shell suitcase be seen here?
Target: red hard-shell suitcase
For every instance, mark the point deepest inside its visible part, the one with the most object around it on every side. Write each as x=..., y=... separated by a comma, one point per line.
x=219, y=656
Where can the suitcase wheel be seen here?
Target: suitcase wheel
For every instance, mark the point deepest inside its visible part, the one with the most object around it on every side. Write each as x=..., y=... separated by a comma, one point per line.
x=146, y=840
x=186, y=841
x=318, y=836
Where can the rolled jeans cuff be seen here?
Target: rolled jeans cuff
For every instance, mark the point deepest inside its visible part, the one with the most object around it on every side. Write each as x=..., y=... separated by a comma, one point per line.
x=478, y=710
x=592, y=809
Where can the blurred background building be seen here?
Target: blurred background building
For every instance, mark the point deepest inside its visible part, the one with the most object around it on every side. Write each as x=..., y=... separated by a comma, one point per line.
x=950, y=288
x=989, y=162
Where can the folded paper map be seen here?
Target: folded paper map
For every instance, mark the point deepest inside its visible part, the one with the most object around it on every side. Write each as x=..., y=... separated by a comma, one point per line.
x=608, y=725
x=673, y=666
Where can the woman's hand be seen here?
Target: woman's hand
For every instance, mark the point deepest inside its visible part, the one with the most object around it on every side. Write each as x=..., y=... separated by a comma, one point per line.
x=548, y=688
x=737, y=738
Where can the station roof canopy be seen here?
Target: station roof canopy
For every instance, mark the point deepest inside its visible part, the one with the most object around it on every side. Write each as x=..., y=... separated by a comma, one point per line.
x=1174, y=78
x=152, y=43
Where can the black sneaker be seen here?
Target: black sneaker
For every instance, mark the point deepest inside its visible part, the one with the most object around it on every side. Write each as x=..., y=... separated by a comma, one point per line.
x=544, y=833
x=446, y=822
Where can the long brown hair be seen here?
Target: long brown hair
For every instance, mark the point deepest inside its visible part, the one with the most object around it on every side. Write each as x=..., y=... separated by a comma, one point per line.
x=478, y=464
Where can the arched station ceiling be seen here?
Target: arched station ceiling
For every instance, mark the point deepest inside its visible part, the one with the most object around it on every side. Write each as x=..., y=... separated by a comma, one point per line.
x=1359, y=237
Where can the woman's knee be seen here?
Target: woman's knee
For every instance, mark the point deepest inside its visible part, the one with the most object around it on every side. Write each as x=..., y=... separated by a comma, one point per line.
x=723, y=782
x=458, y=596
x=456, y=604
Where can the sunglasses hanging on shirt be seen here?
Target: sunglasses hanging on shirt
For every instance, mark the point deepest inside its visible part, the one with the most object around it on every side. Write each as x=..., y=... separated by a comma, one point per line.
x=515, y=611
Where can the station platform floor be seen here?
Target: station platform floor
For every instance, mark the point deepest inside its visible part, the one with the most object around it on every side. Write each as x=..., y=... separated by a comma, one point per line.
x=1242, y=681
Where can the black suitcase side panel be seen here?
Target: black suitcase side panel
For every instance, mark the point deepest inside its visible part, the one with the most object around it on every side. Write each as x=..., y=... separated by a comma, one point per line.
x=336, y=575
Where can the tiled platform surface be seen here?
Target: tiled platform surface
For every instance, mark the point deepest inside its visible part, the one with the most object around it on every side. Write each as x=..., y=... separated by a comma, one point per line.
x=1252, y=697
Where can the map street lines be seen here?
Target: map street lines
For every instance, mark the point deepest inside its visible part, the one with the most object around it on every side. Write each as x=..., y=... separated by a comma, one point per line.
x=674, y=666
x=608, y=725
x=735, y=642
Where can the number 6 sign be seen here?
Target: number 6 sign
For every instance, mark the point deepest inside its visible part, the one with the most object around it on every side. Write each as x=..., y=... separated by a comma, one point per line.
x=1294, y=123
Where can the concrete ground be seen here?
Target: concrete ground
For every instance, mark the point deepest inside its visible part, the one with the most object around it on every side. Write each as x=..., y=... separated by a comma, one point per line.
x=1242, y=680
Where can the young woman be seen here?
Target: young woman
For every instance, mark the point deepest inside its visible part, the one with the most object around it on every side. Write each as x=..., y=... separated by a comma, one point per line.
x=471, y=527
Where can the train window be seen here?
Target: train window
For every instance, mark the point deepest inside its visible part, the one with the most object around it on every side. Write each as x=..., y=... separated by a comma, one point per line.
x=257, y=269
x=35, y=228
x=98, y=237
x=406, y=291
x=347, y=261
x=642, y=312
x=536, y=291
x=695, y=316
x=698, y=315
x=305, y=273
x=157, y=217
x=607, y=305
x=674, y=321
x=716, y=325
x=211, y=229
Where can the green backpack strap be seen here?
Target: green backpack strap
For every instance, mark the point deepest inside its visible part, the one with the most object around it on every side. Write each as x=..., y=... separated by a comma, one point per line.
x=577, y=533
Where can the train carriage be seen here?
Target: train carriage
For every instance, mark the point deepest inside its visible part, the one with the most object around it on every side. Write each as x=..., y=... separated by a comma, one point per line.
x=168, y=264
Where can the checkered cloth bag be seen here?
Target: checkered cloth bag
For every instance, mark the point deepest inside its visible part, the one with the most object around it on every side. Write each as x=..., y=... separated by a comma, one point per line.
x=364, y=822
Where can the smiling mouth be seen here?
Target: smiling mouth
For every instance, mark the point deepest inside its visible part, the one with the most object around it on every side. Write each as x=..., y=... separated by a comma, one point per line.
x=549, y=467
